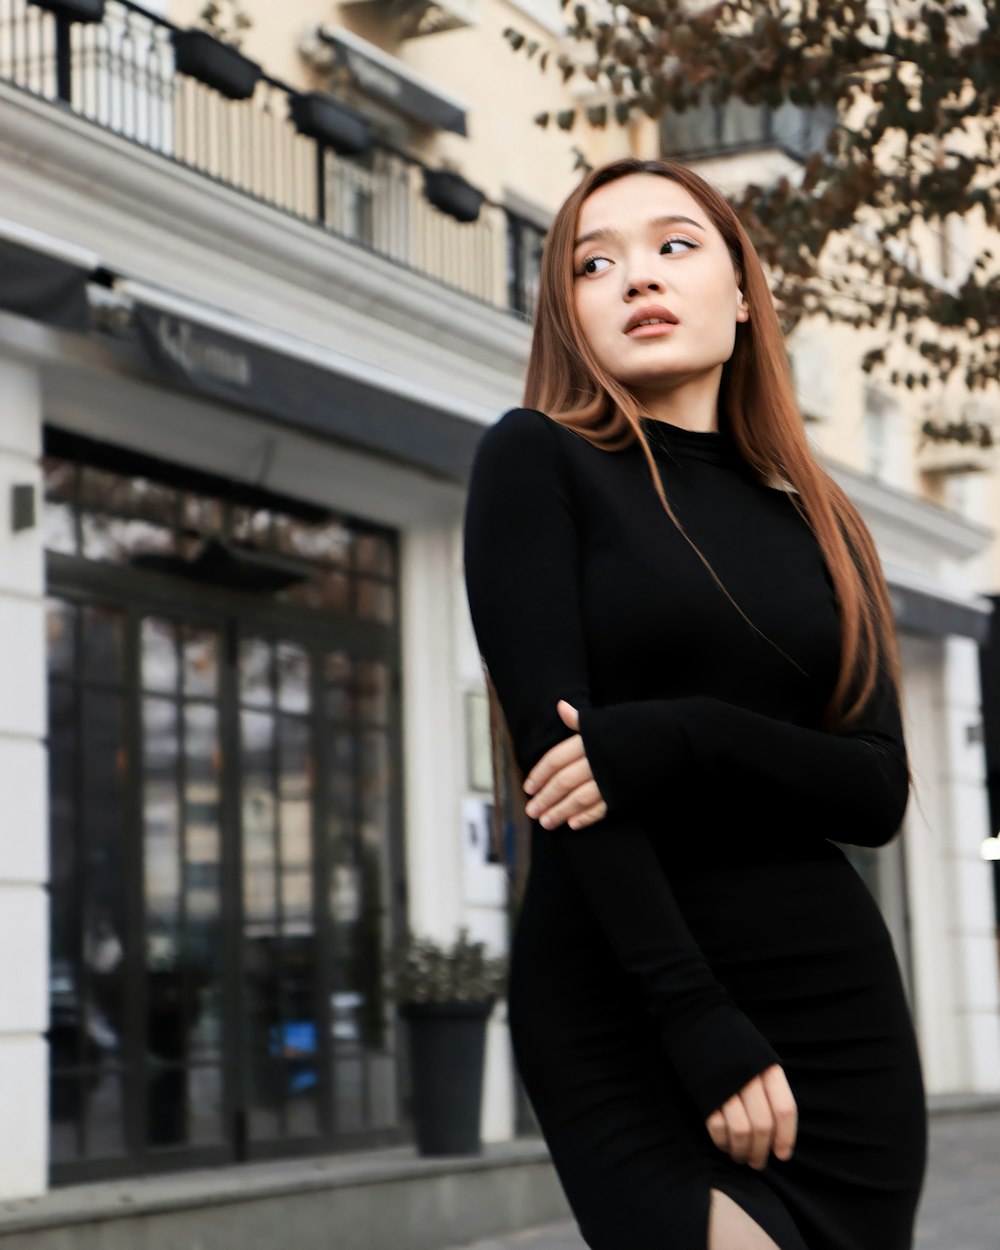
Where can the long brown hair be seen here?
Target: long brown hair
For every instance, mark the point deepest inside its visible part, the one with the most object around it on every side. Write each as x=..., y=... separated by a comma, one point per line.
x=566, y=381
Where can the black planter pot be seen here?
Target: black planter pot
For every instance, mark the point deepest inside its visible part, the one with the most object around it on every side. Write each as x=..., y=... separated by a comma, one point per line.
x=321, y=117
x=447, y=1049
x=450, y=193
x=200, y=55
x=74, y=10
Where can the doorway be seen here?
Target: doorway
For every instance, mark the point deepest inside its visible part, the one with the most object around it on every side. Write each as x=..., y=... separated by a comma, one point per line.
x=225, y=799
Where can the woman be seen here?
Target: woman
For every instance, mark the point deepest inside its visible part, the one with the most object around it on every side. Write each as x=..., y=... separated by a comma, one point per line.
x=688, y=631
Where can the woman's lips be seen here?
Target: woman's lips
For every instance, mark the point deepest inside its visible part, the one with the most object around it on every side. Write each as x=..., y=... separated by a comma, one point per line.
x=652, y=331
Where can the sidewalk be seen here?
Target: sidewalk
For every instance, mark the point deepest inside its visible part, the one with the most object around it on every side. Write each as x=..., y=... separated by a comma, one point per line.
x=961, y=1202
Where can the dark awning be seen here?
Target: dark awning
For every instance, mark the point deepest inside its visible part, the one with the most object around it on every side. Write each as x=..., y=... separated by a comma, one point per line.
x=259, y=379
x=394, y=86
x=43, y=287
x=922, y=612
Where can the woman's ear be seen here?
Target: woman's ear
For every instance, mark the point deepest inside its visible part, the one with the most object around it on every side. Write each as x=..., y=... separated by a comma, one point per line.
x=742, y=311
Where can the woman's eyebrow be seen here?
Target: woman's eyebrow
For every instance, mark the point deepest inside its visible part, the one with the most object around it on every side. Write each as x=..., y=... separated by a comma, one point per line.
x=608, y=232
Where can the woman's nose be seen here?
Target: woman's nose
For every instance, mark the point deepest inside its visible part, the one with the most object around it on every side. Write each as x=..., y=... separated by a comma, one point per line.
x=640, y=285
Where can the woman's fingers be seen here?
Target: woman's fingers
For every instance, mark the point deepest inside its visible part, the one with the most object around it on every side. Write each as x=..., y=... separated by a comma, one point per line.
x=758, y=1111
x=585, y=798
x=589, y=816
x=783, y=1108
x=555, y=758
x=718, y=1130
x=740, y=1130
x=762, y=1117
x=569, y=792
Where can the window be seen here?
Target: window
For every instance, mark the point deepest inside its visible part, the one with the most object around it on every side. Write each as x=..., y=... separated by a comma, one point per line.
x=225, y=823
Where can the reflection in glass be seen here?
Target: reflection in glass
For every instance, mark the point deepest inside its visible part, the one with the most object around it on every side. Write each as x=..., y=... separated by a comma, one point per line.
x=202, y=514
x=293, y=678
x=326, y=591
x=328, y=542
x=259, y=816
x=105, y=1120
x=373, y=691
x=205, y=1106
x=102, y=817
x=159, y=654
x=201, y=662
x=349, y=1090
x=118, y=539
x=67, y=1096
x=376, y=601
x=64, y=913
x=338, y=673
x=60, y=637
x=255, y=672
x=60, y=478
x=373, y=554
x=295, y=788
x=161, y=825
x=340, y=782
x=59, y=528
x=102, y=644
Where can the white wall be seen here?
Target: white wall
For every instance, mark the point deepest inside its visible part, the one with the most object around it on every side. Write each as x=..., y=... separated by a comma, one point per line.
x=951, y=904
x=24, y=973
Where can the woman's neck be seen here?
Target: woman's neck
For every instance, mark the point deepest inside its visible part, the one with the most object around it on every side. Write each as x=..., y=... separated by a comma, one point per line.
x=692, y=403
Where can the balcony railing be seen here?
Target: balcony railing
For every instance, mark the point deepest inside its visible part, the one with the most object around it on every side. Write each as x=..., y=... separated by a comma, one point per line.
x=120, y=74
x=707, y=129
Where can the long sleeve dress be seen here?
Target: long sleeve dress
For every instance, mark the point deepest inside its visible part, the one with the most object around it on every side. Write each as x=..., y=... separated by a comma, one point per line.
x=708, y=926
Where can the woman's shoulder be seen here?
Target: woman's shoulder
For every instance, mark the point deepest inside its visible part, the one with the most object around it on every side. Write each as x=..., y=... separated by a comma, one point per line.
x=518, y=432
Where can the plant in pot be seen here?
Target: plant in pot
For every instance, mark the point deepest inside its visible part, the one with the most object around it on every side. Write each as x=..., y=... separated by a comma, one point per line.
x=211, y=52
x=447, y=190
x=74, y=10
x=320, y=116
x=446, y=995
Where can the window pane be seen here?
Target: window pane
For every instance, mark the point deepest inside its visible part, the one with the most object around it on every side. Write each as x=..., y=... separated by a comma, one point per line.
x=61, y=636
x=162, y=834
x=201, y=662
x=59, y=528
x=296, y=826
x=102, y=817
x=373, y=691
x=159, y=654
x=373, y=554
x=255, y=672
x=102, y=644
x=293, y=678
x=105, y=1123
x=376, y=601
x=259, y=823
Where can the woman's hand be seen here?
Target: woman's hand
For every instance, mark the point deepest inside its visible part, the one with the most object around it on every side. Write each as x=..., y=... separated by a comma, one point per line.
x=762, y=1117
x=561, y=783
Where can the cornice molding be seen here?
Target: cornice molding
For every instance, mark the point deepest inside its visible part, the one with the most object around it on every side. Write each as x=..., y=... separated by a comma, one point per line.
x=904, y=521
x=167, y=225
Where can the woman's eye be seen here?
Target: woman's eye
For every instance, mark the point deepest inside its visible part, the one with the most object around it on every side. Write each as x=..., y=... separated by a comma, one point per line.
x=589, y=265
x=673, y=243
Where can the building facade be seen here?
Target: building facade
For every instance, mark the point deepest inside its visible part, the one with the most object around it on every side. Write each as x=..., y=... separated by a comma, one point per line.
x=243, y=373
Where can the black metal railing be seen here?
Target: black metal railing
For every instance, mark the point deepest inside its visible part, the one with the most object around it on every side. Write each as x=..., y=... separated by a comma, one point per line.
x=120, y=73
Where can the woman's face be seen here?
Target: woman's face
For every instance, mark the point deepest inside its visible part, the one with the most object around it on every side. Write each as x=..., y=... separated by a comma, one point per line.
x=652, y=246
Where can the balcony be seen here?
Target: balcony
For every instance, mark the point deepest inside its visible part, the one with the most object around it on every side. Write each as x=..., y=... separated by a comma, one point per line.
x=709, y=130
x=120, y=74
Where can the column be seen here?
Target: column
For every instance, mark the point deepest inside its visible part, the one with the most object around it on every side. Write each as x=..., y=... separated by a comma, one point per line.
x=23, y=797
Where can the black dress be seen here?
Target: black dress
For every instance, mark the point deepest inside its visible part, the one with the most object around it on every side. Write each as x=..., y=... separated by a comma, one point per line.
x=708, y=926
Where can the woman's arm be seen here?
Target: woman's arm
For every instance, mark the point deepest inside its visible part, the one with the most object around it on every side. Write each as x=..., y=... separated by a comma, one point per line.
x=521, y=560
x=851, y=787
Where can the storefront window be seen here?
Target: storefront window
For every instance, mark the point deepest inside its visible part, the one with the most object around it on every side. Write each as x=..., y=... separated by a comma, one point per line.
x=224, y=825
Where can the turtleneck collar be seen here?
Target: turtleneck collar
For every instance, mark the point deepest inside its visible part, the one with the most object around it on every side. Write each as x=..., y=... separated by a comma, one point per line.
x=715, y=446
